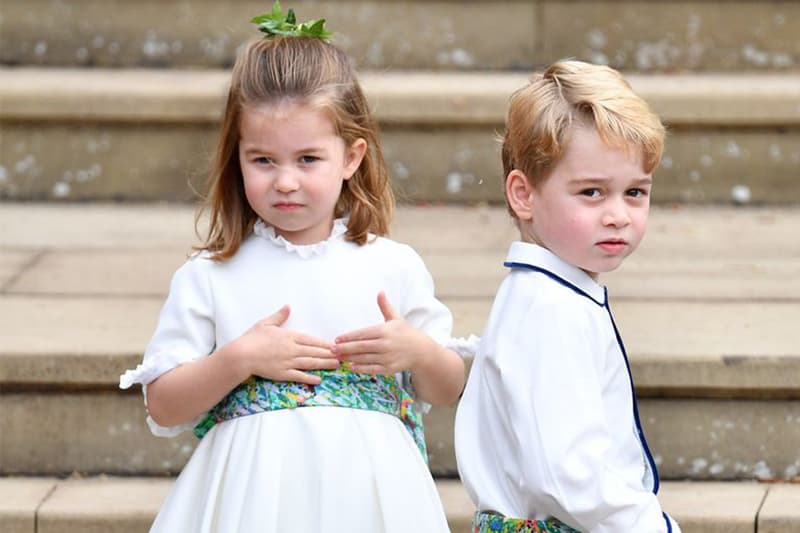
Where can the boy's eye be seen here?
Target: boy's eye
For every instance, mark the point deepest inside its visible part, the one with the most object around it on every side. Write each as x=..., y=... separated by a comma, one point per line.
x=591, y=193
x=307, y=159
x=637, y=193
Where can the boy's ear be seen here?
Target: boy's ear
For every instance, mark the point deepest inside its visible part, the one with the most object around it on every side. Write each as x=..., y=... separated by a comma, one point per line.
x=519, y=193
x=353, y=156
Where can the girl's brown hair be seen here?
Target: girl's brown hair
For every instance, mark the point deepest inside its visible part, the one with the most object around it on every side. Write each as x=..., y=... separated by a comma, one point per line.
x=542, y=113
x=308, y=71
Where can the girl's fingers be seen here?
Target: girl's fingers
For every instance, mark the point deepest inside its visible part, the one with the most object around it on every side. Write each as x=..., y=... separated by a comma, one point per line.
x=370, y=369
x=308, y=340
x=357, y=348
x=387, y=310
x=364, y=359
x=316, y=363
x=371, y=332
x=301, y=377
x=278, y=317
x=313, y=351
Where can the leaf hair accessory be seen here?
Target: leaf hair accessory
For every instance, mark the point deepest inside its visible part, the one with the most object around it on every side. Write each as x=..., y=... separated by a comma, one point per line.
x=278, y=23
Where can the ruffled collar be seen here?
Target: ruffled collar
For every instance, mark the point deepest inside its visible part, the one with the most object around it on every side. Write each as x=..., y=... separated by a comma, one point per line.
x=303, y=250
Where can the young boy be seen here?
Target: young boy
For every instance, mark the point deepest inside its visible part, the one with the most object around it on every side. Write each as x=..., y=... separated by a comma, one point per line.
x=547, y=434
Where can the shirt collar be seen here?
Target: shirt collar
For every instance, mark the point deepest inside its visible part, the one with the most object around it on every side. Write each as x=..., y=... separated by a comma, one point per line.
x=539, y=258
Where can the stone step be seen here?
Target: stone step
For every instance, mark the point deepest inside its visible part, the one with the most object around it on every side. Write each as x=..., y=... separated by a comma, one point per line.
x=707, y=307
x=128, y=505
x=76, y=134
x=415, y=34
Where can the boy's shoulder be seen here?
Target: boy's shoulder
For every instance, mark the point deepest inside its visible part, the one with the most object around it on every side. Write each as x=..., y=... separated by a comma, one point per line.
x=537, y=289
x=548, y=278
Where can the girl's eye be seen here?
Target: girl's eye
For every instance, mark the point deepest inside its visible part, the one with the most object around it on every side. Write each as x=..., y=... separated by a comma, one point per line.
x=591, y=193
x=308, y=159
x=262, y=160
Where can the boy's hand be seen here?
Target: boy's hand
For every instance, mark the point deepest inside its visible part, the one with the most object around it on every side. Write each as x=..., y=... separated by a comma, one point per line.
x=385, y=348
x=268, y=350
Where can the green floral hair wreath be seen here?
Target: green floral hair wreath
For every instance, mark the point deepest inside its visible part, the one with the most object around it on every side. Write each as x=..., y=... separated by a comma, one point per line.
x=278, y=23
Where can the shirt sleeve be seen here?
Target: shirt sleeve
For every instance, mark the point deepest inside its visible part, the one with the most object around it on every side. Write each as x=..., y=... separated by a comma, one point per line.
x=185, y=332
x=550, y=368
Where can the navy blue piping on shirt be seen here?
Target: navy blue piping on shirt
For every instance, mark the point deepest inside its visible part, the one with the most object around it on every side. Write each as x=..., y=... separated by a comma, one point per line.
x=604, y=304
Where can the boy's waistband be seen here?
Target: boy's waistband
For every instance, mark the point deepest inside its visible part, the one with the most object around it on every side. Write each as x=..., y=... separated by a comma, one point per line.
x=489, y=522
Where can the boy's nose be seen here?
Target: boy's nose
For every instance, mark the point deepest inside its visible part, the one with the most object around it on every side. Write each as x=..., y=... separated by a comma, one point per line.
x=616, y=215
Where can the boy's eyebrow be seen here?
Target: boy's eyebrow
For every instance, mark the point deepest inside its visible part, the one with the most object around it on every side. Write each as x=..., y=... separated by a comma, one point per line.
x=645, y=180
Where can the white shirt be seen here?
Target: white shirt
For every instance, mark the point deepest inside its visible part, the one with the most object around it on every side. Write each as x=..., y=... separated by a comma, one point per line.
x=331, y=286
x=547, y=425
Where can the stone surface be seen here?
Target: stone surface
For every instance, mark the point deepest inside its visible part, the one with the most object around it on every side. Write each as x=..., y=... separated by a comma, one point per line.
x=698, y=36
x=722, y=356
x=128, y=505
x=690, y=438
x=20, y=499
x=713, y=507
x=780, y=512
x=709, y=331
x=102, y=505
x=723, y=439
x=12, y=263
x=732, y=138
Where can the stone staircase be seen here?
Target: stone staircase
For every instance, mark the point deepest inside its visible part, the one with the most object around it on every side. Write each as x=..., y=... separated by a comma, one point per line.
x=118, y=101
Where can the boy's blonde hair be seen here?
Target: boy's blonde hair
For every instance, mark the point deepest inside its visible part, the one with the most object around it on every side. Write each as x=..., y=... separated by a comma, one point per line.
x=542, y=114
x=307, y=71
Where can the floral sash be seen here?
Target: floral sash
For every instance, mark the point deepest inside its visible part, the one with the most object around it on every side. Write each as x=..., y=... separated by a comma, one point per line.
x=339, y=388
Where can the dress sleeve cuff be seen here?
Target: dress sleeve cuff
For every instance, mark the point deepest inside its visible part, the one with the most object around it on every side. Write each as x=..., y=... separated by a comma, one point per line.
x=152, y=367
x=148, y=371
x=171, y=431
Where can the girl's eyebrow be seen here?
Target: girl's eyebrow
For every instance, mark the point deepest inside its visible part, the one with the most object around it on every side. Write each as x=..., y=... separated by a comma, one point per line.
x=257, y=150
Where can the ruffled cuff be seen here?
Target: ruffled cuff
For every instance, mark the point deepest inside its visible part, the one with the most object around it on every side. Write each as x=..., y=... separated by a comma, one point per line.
x=171, y=431
x=148, y=371
x=152, y=367
x=464, y=347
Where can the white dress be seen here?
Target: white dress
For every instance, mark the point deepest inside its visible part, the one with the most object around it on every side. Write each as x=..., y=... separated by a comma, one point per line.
x=321, y=469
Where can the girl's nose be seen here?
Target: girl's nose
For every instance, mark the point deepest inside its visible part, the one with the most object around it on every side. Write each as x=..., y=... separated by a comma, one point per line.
x=285, y=181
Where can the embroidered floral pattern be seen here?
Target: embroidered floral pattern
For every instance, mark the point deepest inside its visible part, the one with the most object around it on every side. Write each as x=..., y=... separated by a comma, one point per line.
x=339, y=388
x=484, y=522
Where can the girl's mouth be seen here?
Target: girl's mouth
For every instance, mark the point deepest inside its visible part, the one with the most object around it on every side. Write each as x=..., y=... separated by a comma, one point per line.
x=287, y=206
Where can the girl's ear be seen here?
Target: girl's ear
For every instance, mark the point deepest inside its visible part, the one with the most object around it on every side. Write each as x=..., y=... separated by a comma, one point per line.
x=353, y=157
x=519, y=193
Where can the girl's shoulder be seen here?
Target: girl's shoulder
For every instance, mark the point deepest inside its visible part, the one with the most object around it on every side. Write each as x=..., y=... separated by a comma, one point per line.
x=392, y=251
x=388, y=245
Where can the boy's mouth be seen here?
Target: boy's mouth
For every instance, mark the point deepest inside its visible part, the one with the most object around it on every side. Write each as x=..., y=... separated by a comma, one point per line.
x=613, y=246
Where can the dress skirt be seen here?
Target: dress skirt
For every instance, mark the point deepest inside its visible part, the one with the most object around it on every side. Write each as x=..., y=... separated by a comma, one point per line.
x=311, y=469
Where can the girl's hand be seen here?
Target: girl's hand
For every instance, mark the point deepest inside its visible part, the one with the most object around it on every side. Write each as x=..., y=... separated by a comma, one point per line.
x=387, y=348
x=269, y=351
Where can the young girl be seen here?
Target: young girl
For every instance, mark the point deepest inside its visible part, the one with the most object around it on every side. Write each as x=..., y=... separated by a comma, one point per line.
x=547, y=434
x=291, y=343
